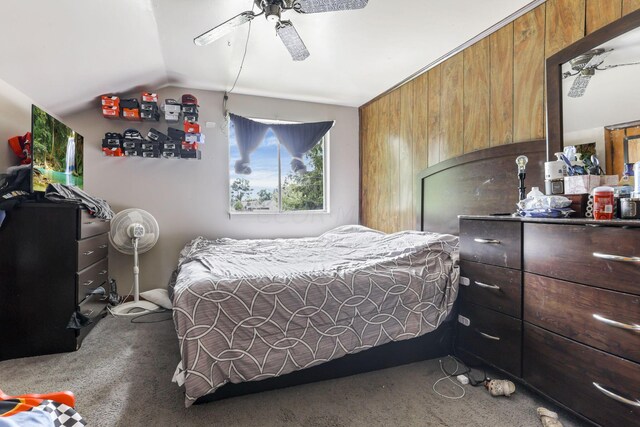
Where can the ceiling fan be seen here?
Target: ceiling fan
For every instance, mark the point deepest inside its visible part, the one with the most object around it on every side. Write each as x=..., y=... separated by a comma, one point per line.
x=585, y=67
x=272, y=10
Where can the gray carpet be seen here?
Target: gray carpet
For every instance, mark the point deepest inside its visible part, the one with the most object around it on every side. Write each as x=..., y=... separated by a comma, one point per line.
x=122, y=377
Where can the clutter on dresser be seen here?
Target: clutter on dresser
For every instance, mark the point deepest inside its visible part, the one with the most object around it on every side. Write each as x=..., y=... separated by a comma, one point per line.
x=537, y=205
x=177, y=142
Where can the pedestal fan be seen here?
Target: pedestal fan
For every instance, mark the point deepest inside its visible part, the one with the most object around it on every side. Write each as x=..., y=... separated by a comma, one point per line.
x=133, y=232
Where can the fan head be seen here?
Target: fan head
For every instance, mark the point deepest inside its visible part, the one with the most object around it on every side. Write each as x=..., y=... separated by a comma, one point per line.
x=133, y=224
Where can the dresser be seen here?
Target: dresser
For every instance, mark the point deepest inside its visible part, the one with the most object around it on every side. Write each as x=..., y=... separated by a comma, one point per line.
x=53, y=263
x=556, y=304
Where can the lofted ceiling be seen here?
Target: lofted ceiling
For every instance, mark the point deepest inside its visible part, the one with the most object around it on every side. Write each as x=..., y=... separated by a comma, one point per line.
x=65, y=53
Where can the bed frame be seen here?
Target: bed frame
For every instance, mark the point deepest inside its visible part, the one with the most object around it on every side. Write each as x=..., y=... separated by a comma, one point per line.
x=482, y=182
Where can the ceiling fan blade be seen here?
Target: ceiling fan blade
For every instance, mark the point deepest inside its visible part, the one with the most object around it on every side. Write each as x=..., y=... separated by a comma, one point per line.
x=606, y=67
x=318, y=6
x=292, y=41
x=579, y=86
x=224, y=28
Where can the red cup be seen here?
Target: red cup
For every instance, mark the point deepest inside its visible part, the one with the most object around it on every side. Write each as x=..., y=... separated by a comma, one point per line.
x=603, y=203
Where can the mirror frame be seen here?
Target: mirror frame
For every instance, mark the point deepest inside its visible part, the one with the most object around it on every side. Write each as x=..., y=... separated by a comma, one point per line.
x=555, y=133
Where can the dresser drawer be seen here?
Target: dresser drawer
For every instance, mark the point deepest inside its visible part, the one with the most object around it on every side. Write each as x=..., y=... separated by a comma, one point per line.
x=493, y=287
x=92, y=249
x=585, y=254
x=569, y=309
x=491, y=242
x=91, y=277
x=89, y=225
x=566, y=371
x=491, y=336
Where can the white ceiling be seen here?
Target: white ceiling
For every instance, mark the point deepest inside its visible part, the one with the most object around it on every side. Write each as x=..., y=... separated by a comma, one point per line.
x=65, y=53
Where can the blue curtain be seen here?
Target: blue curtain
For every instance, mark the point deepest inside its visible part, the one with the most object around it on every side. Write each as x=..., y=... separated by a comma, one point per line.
x=297, y=138
x=249, y=135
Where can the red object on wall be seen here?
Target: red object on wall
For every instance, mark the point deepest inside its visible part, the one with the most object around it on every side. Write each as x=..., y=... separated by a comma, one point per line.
x=21, y=145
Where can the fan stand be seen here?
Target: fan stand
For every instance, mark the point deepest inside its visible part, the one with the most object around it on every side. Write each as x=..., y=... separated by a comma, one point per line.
x=135, y=307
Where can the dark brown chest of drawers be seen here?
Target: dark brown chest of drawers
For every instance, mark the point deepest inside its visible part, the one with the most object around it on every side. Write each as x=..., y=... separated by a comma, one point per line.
x=53, y=262
x=575, y=292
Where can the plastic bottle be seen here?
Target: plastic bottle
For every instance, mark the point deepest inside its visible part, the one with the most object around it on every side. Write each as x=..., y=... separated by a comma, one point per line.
x=603, y=203
x=535, y=193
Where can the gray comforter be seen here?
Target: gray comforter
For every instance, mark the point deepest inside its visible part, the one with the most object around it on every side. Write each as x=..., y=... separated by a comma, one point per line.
x=246, y=310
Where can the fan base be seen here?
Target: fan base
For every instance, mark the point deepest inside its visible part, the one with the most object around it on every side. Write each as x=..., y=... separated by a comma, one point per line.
x=134, y=308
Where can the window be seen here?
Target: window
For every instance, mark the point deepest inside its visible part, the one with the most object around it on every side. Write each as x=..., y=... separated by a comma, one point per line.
x=272, y=186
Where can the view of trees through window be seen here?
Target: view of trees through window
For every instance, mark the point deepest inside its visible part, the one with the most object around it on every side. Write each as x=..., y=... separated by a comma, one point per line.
x=272, y=186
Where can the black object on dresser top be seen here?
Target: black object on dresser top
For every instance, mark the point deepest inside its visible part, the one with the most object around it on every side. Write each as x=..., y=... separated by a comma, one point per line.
x=53, y=260
x=556, y=304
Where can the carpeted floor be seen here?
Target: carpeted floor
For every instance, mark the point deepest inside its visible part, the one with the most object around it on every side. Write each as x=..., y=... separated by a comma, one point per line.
x=122, y=377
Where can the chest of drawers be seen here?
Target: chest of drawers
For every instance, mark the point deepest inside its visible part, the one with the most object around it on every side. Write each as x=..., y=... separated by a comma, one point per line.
x=579, y=313
x=53, y=263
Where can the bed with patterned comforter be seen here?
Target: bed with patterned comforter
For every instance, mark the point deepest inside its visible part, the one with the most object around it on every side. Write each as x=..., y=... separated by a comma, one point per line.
x=246, y=310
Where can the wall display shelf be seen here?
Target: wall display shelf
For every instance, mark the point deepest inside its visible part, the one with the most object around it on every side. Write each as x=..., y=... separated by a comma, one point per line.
x=176, y=143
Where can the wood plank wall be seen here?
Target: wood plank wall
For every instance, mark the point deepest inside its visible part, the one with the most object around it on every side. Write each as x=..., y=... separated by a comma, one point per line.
x=491, y=93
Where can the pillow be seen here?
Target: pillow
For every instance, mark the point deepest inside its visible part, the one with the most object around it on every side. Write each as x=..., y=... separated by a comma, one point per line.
x=159, y=297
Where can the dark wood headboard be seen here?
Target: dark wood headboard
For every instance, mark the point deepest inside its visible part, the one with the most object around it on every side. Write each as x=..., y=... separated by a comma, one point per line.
x=479, y=183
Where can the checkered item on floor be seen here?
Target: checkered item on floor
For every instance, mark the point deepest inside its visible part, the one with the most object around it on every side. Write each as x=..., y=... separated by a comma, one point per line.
x=61, y=414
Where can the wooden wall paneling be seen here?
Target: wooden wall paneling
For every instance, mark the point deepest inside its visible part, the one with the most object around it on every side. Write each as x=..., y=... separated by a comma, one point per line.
x=601, y=12
x=434, y=113
x=406, y=220
x=629, y=6
x=374, y=165
x=476, y=96
x=391, y=186
x=565, y=22
x=367, y=175
x=528, y=76
x=501, y=86
x=452, y=107
x=364, y=164
x=420, y=122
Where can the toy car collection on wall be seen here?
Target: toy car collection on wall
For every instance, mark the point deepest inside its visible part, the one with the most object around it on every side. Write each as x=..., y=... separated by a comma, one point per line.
x=175, y=144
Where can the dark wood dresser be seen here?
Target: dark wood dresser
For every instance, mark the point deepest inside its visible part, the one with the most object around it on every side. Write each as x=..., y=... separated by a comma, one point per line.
x=556, y=304
x=53, y=262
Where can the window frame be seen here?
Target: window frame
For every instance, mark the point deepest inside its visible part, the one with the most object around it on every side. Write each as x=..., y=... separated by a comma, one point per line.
x=325, y=177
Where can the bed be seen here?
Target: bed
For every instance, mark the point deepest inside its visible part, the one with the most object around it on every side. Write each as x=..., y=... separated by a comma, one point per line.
x=256, y=315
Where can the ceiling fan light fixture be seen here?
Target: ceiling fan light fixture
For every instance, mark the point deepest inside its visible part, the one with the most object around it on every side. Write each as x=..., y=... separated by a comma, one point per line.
x=272, y=12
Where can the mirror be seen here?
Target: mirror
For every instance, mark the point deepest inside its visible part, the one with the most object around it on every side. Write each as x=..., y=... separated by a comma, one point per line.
x=602, y=102
x=605, y=102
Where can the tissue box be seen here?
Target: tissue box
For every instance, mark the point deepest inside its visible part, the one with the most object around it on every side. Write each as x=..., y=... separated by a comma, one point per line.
x=609, y=180
x=581, y=184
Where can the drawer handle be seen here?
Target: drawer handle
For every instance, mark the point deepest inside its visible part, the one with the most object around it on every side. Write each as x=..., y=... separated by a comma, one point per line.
x=616, y=396
x=615, y=324
x=88, y=223
x=620, y=258
x=102, y=246
x=489, y=337
x=487, y=286
x=87, y=253
x=487, y=241
x=102, y=272
x=88, y=313
x=87, y=283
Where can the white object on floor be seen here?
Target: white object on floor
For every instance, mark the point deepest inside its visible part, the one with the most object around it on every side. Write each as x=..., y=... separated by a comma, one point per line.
x=159, y=297
x=462, y=379
x=134, y=308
